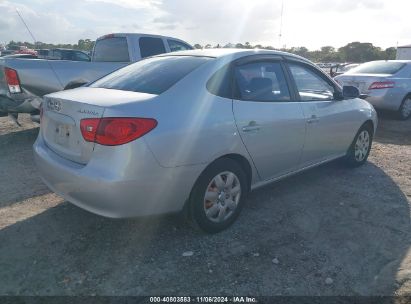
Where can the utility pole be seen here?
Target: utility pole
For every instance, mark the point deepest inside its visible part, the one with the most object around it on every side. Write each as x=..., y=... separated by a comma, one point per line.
x=281, y=23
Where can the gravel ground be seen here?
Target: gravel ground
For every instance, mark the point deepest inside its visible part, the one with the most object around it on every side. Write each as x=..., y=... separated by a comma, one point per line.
x=328, y=231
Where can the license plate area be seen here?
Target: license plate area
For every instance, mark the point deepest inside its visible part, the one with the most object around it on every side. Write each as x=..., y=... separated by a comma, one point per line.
x=62, y=134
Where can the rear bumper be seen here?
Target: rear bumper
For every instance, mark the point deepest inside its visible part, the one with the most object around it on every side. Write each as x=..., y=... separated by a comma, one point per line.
x=122, y=182
x=19, y=106
x=385, y=99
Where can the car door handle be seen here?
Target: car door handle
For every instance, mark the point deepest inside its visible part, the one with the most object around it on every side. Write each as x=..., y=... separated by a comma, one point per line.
x=313, y=119
x=251, y=127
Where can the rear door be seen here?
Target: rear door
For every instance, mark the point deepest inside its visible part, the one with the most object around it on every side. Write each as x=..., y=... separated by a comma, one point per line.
x=271, y=125
x=329, y=123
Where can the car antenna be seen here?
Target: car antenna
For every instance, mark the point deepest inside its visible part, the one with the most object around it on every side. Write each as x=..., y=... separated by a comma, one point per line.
x=25, y=24
x=14, y=116
x=35, y=43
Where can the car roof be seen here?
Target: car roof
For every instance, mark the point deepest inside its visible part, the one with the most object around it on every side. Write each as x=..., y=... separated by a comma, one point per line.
x=223, y=52
x=137, y=35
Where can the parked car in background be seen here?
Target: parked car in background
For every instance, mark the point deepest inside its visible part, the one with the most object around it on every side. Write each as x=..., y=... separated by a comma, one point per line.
x=195, y=131
x=22, y=50
x=387, y=84
x=342, y=68
x=24, y=82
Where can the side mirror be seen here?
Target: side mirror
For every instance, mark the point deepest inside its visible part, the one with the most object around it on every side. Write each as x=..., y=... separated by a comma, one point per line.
x=350, y=92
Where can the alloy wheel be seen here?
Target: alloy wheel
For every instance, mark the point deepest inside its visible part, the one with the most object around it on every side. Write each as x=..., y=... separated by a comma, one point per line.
x=362, y=145
x=406, y=108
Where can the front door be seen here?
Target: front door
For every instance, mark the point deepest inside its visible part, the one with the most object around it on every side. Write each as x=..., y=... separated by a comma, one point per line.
x=329, y=125
x=271, y=125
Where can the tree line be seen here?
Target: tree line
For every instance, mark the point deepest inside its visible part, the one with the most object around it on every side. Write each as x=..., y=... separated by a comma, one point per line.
x=352, y=52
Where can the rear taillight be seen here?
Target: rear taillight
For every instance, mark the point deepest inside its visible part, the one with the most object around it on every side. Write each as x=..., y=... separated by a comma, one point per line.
x=113, y=131
x=381, y=85
x=12, y=80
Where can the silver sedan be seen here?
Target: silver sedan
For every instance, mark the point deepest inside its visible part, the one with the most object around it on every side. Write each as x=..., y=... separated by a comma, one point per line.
x=387, y=84
x=195, y=131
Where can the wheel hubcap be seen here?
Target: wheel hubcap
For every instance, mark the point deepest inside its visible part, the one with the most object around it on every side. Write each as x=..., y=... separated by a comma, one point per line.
x=406, y=108
x=362, y=146
x=222, y=196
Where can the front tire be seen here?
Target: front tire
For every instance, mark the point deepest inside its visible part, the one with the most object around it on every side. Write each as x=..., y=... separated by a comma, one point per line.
x=360, y=148
x=218, y=196
x=404, y=111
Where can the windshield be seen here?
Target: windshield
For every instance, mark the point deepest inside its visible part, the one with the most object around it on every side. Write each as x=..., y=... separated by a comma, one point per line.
x=378, y=67
x=153, y=75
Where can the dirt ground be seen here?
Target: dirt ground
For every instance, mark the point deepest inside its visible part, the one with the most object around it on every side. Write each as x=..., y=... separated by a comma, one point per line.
x=328, y=231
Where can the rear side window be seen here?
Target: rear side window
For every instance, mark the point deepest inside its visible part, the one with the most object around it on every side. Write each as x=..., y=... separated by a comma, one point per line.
x=378, y=67
x=150, y=46
x=310, y=85
x=113, y=49
x=153, y=75
x=261, y=81
x=220, y=83
x=178, y=46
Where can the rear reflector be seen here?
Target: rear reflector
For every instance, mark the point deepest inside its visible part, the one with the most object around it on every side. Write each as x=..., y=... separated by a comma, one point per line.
x=113, y=131
x=12, y=80
x=381, y=85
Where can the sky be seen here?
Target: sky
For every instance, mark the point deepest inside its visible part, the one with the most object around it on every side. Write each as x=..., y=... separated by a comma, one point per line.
x=309, y=23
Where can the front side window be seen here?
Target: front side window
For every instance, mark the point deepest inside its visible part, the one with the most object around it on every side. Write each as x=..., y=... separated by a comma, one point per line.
x=178, y=46
x=114, y=49
x=261, y=81
x=150, y=46
x=310, y=85
x=153, y=75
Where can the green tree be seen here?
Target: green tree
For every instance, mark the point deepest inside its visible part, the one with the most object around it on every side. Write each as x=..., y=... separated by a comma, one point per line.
x=390, y=53
x=360, y=52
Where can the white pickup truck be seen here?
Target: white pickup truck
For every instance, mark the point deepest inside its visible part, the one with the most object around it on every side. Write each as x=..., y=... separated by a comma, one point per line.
x=23, y=82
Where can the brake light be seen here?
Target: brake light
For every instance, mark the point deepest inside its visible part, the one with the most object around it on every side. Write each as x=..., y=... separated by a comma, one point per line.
x=381, y=85
x=12, y=80
x=113, y=131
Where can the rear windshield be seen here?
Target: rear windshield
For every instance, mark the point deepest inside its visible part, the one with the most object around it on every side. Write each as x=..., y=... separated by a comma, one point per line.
x=153, y=75
x=113, y=49
x=378, y=67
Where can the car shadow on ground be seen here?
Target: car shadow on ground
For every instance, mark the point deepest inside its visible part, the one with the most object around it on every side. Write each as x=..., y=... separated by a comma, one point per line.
x=328, y=231
x=391, y=130
x=19, y=179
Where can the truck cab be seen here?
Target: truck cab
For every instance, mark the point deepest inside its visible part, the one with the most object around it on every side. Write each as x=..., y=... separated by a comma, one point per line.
x=23, y=83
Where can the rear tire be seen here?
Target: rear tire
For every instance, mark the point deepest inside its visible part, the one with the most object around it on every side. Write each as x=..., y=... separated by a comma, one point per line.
x=404, y=111
x=360, y=148
x=218, y=196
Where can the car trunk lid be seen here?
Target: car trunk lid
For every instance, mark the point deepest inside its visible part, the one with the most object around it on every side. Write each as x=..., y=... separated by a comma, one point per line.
x=63, y=111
